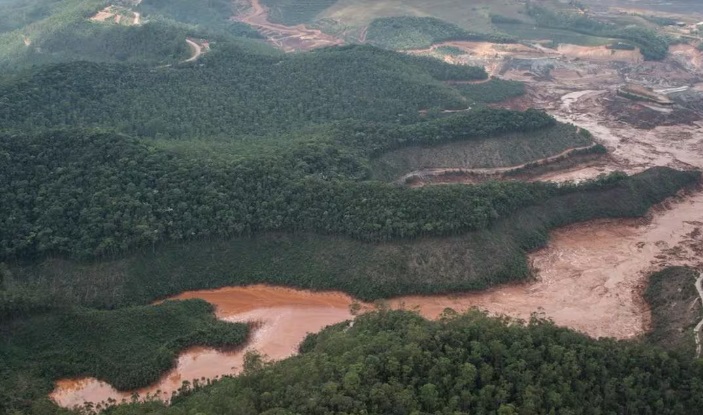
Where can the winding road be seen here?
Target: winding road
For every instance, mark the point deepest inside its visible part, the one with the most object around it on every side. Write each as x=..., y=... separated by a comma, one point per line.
x=288, y=38
x=495, y=171
x=699, y=326
x=197, y=50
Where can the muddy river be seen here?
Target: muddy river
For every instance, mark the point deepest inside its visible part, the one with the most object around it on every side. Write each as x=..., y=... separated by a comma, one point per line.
x=599, y=297
x=590, y=276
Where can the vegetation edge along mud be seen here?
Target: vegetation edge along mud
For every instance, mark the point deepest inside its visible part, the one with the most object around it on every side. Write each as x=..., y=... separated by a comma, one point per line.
x=350, y=206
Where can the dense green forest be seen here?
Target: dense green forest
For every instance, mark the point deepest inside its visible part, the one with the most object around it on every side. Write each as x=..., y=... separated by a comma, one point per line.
x=127, y=176
x=295, y=12
x=493, y=91
x=129, y=348
x=85, y=194
x=395, y=362
x=50, y=31
x=199, y=212
x=407, y=32
x=651, y=44
x=676, y=309
x=37, y=19
x=234, y=91
x=151, y=43
x=15, y=14
x=210, y=17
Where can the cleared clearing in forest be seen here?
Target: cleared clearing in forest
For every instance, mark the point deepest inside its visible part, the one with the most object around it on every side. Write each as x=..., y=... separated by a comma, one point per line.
x=502, y=151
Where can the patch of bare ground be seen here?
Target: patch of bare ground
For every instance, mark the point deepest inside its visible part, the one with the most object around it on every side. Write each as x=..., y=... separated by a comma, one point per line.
x=198, y=48
x=104, y=14
x=697, y=331
x=646, y=116
x=287, y=38
x=598, y=270
x=117, y=15
x=600, y=53
x=486, y=54
x=521, y=103
x=571, y=168
x=520, y=172
x=688, y=55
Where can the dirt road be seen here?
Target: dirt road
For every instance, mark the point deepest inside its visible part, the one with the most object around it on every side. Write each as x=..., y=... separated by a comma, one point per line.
x=197, y=51
x=697, y=331
x=434, y=175
x=287, y=38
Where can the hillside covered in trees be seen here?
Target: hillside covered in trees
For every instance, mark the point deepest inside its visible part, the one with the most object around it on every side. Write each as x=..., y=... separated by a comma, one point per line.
x=129, y=348
x=234, y=91
x=652, y=45
x=128, y=174
x=40, y=32
x=406, y=32
x=395, y=362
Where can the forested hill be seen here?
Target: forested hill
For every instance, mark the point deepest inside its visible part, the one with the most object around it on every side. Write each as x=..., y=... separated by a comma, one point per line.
x=232, y=91
x=39, y=32
x=398, y=363
x=83, y=194
x=408, y=32
x=652, y=45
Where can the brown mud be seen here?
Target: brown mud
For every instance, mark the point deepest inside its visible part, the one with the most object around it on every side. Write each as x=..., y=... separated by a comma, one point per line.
x=283, y=316
x=590, y=277
x=116, y=14
x=602, y=298
x=287, y=38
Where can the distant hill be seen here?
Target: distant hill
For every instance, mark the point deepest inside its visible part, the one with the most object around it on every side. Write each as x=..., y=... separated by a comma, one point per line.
x=153, y=33
x=669, y=6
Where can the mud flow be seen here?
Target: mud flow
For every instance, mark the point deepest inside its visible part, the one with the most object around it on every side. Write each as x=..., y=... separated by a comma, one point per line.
x=590, y=277
x=287, y=38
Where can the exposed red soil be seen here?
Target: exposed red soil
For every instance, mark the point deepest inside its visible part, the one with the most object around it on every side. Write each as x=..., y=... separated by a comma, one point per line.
x=287, y=38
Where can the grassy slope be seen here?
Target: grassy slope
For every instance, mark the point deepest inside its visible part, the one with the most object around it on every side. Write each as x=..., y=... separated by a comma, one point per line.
x=369, y=271
x=211, y=16
x=532, y=32
x=410, y=32
x=676, y=309
x=472, y=15
x=129, y=348
x=493, y=91
x=295, y=12
x=502, y=151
